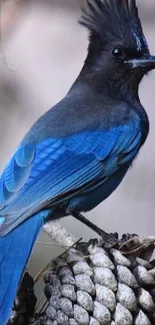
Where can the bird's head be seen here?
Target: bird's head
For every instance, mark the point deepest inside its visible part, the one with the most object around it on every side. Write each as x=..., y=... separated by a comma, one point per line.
x=118, y=52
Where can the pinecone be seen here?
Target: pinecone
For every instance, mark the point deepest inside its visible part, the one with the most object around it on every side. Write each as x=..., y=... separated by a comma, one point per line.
x=91, y=285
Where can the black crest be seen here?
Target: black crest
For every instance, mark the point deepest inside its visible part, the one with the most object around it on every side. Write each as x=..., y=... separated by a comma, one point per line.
x=114, y=20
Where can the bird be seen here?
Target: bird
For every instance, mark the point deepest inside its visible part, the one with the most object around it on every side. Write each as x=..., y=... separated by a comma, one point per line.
x=78, y=152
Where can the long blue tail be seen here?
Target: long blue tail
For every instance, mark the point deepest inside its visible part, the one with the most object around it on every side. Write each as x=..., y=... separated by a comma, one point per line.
x=15, y=249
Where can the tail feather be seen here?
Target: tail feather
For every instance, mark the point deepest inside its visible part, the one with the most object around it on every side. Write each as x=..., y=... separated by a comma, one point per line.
x=15, y=250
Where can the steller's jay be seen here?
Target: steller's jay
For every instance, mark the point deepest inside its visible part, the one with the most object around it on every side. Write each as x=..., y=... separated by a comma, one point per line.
x=78, y=152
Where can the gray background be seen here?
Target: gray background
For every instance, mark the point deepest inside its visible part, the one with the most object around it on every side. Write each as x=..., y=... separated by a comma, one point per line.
x=42, y=53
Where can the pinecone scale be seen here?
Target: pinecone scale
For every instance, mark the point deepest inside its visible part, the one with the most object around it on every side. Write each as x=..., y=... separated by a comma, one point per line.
x=98, y=286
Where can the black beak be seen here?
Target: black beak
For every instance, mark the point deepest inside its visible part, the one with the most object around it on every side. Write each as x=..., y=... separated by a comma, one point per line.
x=147, y=63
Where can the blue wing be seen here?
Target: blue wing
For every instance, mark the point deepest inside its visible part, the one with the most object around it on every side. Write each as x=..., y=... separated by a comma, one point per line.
x=44, y=172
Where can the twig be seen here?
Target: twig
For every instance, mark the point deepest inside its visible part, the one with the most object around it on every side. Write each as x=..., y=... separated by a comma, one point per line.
x=39, y=302
x=57, y=232
x=47, y=266
x=48, y=244
x=142, y=245
x=44, y=305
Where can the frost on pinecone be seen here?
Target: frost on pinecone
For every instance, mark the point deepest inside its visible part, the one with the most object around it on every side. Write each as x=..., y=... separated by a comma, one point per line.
x=95, y=286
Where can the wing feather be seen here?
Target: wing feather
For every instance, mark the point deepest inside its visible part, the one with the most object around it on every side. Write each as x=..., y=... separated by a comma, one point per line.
x=43, y=172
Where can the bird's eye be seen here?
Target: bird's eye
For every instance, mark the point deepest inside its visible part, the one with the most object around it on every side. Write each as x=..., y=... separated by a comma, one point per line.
x=117, y=52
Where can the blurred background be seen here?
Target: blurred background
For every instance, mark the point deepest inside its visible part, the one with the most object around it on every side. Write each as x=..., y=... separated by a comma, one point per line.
x=42, y=49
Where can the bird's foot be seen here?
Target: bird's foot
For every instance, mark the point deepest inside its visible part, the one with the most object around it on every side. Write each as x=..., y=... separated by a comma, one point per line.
x=127, y=237
x=108, y=240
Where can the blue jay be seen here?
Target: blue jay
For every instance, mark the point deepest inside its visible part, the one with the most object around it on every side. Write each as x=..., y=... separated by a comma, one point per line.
x=78, y=152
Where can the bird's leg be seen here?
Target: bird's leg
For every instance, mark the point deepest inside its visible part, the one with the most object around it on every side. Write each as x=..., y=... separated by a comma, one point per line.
x=109, y=239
